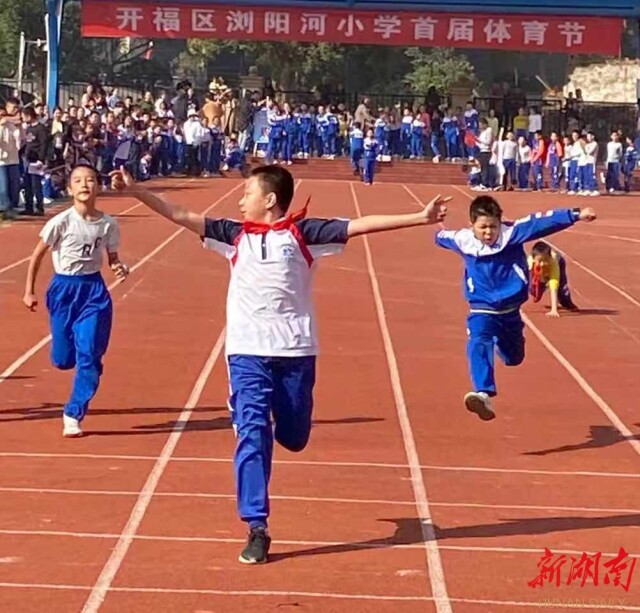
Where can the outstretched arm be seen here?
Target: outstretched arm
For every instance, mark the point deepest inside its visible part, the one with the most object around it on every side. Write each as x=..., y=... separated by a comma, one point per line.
x=540, y=225
x=433, y=213
x=121, y=180
x=29, y=299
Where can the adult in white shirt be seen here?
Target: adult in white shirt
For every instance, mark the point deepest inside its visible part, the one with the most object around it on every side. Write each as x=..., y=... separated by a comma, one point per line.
x=192, y=130
x=485, y=144
x=11, y=139
x=510, y=160
x=614, y=159
x=535, y=124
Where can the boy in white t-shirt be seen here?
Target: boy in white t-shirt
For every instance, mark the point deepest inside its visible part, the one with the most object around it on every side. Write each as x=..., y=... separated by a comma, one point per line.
x=614, y=163
x=271, y=337
x=510, y=160
x=78, y=301
x=589, y=182
x=524, y=164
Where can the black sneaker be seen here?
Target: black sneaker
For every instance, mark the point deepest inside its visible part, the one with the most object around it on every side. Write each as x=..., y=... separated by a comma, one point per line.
x=256, y=550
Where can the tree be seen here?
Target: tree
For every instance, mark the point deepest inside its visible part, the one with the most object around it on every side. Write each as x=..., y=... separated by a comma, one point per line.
x=292, y=66
x=17, y=16
x=438, y=68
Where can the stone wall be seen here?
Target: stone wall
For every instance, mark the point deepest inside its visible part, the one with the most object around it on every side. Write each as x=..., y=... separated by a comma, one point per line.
x=608, y=81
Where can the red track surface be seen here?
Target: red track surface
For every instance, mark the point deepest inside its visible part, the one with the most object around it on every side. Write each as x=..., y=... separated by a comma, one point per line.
x=552, y=471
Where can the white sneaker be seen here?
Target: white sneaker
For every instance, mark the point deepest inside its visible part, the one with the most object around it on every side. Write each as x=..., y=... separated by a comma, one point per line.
x=71, y=427
x=480, y=404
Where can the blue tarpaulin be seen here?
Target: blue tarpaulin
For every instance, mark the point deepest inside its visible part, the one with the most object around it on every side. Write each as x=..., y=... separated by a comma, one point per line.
x=596, y=8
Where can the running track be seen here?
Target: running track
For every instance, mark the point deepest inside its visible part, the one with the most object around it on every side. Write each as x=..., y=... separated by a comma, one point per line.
x=402, y=503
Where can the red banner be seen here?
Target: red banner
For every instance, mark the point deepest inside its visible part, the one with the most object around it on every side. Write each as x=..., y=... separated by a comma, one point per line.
x=597, y=35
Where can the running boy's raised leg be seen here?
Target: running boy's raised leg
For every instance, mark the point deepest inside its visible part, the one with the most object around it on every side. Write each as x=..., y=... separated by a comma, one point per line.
x=294, y=379
x=510, y=338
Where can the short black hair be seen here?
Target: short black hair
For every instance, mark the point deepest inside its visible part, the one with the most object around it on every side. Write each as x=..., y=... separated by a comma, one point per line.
x=484, y=206
x=83, y=164
x=541, y=248
x=277, y=180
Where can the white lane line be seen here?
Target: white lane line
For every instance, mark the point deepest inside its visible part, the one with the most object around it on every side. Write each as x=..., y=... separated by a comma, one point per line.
x=319, y=499
x=111, y=567
x=607, y=604
x=434, y=562
x=337, y=464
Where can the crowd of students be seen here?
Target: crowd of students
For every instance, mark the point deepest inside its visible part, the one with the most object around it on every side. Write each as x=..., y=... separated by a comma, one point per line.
x=184, y=134
x=149, y=137
x=566, y=164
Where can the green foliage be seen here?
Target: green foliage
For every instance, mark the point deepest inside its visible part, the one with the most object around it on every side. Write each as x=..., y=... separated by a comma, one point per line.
x=292, y=66
x=16, y=16
x=375, y=69
x=302, y=66
x=9, y=40
x=296, y=66
x=437, y=67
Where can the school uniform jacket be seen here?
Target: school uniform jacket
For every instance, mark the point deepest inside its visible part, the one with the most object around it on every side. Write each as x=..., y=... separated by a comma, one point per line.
x=496, y=277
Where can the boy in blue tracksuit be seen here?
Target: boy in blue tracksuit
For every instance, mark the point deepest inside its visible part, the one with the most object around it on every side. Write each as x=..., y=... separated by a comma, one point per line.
x=371, y=152
x=356, y=147
x=305, y=130
x=630, y=163
x=497, y=285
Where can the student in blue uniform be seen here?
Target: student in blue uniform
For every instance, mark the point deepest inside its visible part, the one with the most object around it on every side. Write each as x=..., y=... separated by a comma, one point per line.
x=331, y=134
x=472, y=125
x=234, y=156
x=497, y=285
x=371, y=151
x=79, y=304
x=630, y=163
x=380, y=133
x=357, y=147
x=450, y=130
x=275, y=119
x=417, y=138
x=305, y=127
x=321, y=129
x=271, y=335
x=291, y=138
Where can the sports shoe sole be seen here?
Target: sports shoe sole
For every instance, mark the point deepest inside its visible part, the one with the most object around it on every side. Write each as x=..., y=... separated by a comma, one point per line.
x=72, y=434
x=243, y=560
x=476, y=405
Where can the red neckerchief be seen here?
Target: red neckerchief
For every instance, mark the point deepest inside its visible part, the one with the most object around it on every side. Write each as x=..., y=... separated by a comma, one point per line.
x=258, y=227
